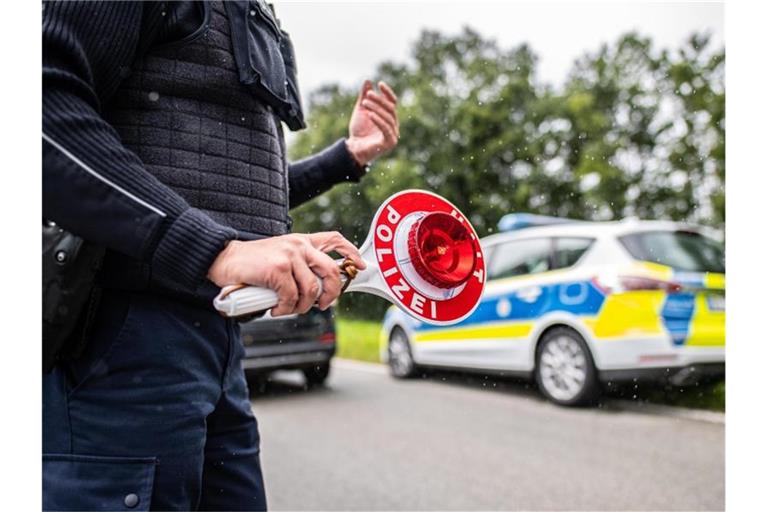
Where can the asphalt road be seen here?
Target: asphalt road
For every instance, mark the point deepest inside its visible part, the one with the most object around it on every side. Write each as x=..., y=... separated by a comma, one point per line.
x=449, y=442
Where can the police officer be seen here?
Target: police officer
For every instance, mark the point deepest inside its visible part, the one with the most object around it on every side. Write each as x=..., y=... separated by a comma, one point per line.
x=162, y=142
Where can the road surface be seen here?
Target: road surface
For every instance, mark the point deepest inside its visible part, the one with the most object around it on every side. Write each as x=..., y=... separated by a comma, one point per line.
x=369, y=442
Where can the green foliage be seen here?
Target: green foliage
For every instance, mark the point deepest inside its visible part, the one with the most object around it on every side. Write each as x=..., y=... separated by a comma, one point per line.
x=632, y=131
x=704, y=395
x=357, y=339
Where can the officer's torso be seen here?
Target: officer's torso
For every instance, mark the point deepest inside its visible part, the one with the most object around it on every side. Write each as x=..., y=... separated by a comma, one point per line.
x=197, y=129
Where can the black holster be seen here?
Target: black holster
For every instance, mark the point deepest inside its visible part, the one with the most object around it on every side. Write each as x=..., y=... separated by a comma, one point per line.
x=70, y=296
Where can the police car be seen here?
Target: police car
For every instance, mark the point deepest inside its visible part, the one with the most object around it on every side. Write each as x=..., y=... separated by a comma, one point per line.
x=575, y=304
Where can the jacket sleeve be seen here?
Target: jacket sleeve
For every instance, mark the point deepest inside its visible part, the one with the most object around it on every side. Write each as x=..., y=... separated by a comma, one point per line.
x=93, y=186
x=314, y=175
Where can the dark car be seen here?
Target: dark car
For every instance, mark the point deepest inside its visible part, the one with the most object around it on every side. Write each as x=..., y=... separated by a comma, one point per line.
x=297, y=342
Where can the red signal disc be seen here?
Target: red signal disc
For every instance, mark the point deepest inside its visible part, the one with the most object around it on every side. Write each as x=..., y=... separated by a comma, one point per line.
x=429, y=257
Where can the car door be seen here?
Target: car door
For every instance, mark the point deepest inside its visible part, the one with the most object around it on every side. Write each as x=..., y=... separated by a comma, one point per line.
x=514, y=296
x=492, y=337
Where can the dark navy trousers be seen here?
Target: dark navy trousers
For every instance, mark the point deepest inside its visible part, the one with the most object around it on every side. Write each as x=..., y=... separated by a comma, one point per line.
x=154, y=416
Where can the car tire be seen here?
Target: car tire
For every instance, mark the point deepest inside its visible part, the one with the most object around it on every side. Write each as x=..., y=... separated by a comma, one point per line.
x=257, y=382
x=316, y=375
x=565, y=371
x=401, y=364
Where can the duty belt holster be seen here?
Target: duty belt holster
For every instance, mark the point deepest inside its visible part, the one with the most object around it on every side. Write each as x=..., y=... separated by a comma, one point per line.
x=70, y=297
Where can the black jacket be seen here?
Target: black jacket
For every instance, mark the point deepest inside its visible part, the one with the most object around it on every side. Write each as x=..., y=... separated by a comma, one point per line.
x=95, y=187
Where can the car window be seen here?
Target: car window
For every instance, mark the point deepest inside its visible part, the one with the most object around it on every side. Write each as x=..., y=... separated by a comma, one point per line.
x=520, y=257
x=567, y=251
x=682, y=250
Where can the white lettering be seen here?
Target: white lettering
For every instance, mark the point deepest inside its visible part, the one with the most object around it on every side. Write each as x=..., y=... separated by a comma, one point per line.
x=457, y=215
x=417, y=303
x=478, y=274
x=390, y=271
x=399, y=288
x=381, y=252
x=384, y=233
x=434, y=309
x=393, y=216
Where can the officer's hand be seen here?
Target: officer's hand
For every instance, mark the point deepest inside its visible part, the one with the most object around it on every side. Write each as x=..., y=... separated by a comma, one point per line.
x=373, y=127
x=288, y=265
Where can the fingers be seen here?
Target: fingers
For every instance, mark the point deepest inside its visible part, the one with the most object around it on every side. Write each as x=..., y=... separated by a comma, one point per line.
x=367, y=86
x=386, y=103
x=383, y=104
x=302, y=261
x=287, y=297
x=390, y=137
x=323, y=266
x=388, y=92
x=385, y=109
x=307, y=283
x=328, y=241
x=294, y=282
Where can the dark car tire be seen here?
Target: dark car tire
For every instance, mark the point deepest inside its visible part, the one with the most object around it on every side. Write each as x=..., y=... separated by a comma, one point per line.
x=257, y=382
x=565, y=371
x=316, y=375
x=401, y=364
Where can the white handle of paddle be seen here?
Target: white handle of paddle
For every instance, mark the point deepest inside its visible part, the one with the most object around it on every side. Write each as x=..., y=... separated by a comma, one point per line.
x=238, y=300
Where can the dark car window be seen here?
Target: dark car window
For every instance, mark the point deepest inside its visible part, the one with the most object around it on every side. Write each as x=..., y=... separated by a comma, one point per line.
x=681, y=250
x=520, y=257
x=568, y=251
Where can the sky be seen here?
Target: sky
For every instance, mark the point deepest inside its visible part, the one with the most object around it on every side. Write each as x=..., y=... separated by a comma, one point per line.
x=343, y=42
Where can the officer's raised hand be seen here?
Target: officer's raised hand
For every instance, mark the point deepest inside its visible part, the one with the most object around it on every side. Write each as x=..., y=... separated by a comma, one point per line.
x=373, y=127
x=288, y=265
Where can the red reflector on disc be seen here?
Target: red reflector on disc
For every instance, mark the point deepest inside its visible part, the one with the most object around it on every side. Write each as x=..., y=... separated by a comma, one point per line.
x=441, y=250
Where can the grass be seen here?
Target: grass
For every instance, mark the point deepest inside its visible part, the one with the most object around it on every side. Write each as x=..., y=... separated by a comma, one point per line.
x=359, y=339
x=710, y=396
x=707, y=396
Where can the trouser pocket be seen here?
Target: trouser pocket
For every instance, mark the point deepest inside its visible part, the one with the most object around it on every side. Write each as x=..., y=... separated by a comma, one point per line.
x=86, y=482
x=113, y=317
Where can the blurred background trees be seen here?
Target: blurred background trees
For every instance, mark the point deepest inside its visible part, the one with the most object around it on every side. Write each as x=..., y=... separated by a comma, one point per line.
x=633, y=131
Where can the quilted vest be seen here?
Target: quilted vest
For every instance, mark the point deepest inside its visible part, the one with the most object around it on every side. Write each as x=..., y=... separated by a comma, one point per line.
x=185, y=113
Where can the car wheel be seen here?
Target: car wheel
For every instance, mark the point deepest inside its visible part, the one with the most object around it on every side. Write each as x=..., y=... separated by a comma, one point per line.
x=316, y=375
x=401, y=363
x=257, y=382
x=565, y=372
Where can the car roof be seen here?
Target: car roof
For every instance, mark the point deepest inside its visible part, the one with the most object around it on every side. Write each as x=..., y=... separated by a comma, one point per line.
x=590, y=229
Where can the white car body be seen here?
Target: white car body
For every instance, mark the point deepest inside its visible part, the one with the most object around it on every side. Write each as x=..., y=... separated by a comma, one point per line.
x=626, y=330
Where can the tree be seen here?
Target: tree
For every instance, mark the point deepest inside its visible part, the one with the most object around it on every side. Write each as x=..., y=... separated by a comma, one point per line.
x=649, y=130
x=632, y=131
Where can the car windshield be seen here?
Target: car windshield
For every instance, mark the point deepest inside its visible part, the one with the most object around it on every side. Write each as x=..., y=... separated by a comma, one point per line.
x=682, y=250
